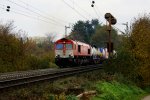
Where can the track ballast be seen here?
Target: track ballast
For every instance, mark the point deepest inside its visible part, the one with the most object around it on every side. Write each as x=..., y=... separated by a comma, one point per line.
x=23, y=77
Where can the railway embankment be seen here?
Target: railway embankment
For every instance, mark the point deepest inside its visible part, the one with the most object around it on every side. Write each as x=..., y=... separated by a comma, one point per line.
x=107, y=87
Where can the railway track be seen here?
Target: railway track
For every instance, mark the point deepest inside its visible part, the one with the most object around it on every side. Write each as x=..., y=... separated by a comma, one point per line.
x=23, y=77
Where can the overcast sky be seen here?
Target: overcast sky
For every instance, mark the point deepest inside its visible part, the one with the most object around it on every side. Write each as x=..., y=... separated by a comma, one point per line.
x=38, y=17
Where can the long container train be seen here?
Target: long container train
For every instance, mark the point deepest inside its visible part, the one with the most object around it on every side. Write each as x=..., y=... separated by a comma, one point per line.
x=71, y=52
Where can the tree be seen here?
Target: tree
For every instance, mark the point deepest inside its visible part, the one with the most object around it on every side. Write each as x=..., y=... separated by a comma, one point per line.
x=10, y=52
x=83, y=31
x=100, y=38
x=140, y=46
x=78, y=31
x=133, y=54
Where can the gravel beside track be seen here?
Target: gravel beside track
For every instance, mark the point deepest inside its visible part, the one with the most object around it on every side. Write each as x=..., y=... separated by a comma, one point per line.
x=10, y=75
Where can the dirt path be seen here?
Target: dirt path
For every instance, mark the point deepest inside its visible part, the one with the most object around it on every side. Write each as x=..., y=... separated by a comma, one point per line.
x=146, y=98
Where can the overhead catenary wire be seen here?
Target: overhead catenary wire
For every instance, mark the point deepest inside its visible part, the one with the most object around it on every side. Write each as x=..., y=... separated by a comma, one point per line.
x=92, y=5
x=96, y=10
x=42, y=12
x=2, y=7
x=96, y=13
x=86, y=12
x=40, y=15
x=33, y=11
x=118, y=29
x=33, y=17
x=74, y=10
x=26, y=12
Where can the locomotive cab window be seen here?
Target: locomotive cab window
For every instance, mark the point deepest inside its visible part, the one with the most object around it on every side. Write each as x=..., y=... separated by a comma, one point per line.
x=68, y=46
x=89, y=51
x=59, y=46
x=79, y=48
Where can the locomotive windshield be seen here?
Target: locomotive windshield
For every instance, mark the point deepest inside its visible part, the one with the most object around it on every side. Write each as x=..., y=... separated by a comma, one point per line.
x=59, y=46
x=69, y=46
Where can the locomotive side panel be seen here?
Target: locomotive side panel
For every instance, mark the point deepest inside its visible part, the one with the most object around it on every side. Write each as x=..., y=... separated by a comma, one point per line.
x=82, y=49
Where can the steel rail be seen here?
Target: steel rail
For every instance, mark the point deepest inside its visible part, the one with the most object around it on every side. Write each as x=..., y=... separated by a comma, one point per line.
x=41, y=75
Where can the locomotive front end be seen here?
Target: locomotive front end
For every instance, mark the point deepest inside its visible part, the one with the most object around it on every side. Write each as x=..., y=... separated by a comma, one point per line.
x=63, y=52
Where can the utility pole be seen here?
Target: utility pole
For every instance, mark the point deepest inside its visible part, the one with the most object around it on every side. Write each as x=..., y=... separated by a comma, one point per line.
x=109, y=31
x=66, y=30
x=127, y=28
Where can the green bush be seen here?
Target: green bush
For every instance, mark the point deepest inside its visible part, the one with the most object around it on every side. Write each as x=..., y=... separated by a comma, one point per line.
x=147, y=89
x=117, y=91
x=71, y=97
x=39, y=63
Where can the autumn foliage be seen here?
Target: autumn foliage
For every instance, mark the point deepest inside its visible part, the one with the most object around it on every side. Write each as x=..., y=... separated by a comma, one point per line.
x=133, y=54
x=19, y=53
x=140, y=46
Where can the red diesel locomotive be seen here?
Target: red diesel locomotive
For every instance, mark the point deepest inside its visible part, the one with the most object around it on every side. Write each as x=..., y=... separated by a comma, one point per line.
x=70, y=52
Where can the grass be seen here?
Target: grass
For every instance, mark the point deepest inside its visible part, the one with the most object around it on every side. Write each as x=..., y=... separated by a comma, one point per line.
x=117, y=91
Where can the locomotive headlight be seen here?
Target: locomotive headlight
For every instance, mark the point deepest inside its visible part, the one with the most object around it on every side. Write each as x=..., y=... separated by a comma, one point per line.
x=70, y=55
x=57, y=56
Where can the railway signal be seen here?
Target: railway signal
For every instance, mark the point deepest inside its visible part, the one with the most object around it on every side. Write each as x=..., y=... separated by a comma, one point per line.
x=112, y=21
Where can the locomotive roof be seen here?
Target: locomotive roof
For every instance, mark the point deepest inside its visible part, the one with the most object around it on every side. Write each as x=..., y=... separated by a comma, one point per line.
x=73, y=41
x=63, y=39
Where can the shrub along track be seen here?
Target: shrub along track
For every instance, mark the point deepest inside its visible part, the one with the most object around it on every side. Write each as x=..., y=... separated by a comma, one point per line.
x=23, y=77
